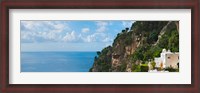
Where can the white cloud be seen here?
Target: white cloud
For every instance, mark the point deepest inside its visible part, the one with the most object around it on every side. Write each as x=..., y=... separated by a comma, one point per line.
x=59, y=26
x=89, y=38
x=38, y=31
x=27, y=36
x=69, y=37
x=85, y=30
x=50, y=35
x=101, y=26
x=96, y=37
x=60, y=31
x=31, y=25
x=107, y=39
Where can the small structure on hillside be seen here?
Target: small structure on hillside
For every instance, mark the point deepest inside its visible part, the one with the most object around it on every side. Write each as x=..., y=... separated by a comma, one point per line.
x=167, y=59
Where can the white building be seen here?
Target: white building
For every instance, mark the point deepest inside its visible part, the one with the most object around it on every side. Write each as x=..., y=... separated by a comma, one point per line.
x=167, y=59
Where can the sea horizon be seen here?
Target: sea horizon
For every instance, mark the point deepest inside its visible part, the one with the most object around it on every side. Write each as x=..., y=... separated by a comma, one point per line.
x=57, y=61
x=59, y=51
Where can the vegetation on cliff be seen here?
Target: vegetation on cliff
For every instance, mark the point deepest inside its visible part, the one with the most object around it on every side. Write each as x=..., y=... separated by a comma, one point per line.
x=137, y=45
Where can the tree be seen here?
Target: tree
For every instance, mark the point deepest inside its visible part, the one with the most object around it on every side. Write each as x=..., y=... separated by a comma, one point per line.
x=163, y=42
x=174, y=41
x=98, y=53
x=95, y=58
x=153, y=37
x=128, y=40
x=123, y=31
x=127, y=29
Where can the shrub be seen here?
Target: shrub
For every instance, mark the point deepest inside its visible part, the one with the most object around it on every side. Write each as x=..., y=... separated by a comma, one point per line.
x=98, y=53
x=123, y=31
x=90, y=70
x=136, y=68
x=123, y=67
x=159, y=68
x=171, y=69
x=153, y=64
x=144, y=68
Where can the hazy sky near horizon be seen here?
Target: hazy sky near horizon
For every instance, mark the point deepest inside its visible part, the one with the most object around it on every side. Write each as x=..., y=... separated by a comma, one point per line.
x=69, y=35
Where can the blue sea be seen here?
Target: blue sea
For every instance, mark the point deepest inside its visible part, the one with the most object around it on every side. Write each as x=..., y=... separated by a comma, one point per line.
x=57, y=61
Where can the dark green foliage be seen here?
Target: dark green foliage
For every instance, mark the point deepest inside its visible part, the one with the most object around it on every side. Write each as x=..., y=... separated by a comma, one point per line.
x=104, y=67
x=170, y=40
x=137, y=55
x=174, y=41
x=98, y=53
x=123, y=31
x=90, y=70
x=151, y=52
x=163, y=43
x=136, y=68
x=148, y=27
x=152, y=38
x=153, y=64
x=95, y=58
x=127, y=29
x=123, y=67
x=125, y=38
x=156, y=51
x=171, y=69
x=128, y=40
x=104, y=59
x=146, y=33
x=150, y=30
x=144, y=68
x=142, y=53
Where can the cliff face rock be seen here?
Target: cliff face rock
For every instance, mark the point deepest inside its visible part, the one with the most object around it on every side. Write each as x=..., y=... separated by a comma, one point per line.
x=130, y=48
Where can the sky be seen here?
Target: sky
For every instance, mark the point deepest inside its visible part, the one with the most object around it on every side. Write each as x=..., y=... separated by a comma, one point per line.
x=69, y=35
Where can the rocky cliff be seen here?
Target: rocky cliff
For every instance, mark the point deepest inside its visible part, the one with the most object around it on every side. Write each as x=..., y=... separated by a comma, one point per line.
x=137, y=45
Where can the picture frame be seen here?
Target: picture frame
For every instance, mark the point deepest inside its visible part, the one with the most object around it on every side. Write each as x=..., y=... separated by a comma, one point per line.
x=99, y=4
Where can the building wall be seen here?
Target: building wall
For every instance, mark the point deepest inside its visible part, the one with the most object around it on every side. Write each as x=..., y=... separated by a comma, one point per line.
x=157, y=61
x=172, y=60
x=168, y=59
